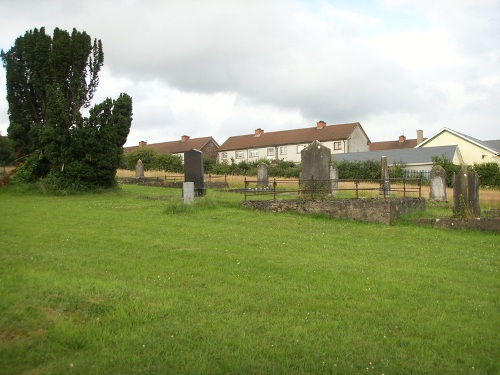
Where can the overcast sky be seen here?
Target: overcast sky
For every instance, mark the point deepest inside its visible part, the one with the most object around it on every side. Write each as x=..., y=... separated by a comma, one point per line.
x=226, y=67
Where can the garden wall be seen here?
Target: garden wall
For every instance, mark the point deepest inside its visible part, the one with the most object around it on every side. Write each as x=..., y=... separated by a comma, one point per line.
x=378, y=210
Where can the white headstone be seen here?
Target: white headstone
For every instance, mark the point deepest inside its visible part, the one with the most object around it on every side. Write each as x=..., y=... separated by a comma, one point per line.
x=188, y=192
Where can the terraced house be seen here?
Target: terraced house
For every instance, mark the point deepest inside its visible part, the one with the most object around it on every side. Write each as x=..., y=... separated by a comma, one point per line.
x=287, y=144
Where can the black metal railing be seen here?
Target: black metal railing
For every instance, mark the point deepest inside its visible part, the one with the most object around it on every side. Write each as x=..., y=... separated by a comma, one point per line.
x=313, y=188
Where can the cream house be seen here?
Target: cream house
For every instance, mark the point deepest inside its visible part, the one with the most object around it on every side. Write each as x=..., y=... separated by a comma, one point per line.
x=287, y=144
x=472, y=150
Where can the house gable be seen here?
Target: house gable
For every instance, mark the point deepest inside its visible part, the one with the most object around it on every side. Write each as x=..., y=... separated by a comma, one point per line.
x=473, y=150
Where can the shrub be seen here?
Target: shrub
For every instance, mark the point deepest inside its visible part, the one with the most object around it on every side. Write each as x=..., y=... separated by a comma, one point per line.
x=489, y=174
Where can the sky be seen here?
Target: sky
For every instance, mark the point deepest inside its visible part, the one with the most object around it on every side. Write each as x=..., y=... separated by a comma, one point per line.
x=222, y=68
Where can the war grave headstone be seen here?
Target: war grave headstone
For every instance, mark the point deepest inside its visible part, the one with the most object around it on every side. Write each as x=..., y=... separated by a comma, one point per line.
x=315, y=174
x=188, y=192
x=262, y=176
x=466, y=193
x=437, y=179
x=385, y=185
x=193, y=171
x=139, y=169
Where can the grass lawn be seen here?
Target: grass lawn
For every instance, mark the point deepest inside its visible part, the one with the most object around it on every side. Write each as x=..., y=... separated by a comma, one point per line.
x=132, y=281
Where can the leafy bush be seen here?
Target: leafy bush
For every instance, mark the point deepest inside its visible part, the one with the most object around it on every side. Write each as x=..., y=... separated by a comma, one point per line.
x=152, y=160
x=369, y=169
x=489, y=174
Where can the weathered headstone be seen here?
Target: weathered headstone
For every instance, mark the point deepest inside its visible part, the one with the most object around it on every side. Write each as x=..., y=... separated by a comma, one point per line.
x=334, y=178
x=188, y=192
x=385, y=185
x=315, y=174
x=466, y=193
x=438, y=184
x=193, y=170
x=262, y=175
x=139, y=169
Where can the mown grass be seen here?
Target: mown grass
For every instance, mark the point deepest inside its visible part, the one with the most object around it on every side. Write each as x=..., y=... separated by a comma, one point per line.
x=133, y=281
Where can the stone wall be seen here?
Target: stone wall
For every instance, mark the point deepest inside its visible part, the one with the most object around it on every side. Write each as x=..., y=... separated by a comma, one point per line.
x=378, y=210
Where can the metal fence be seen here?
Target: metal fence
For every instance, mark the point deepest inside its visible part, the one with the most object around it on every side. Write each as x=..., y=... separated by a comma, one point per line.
x=354, y=188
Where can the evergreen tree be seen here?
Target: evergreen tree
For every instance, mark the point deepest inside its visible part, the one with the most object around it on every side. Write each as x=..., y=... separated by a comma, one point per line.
x=49, y=81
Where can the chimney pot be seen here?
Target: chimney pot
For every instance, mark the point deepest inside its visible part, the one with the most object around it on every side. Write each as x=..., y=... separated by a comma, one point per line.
x=320, y=124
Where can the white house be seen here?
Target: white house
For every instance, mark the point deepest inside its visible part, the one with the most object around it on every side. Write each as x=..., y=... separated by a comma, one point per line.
x=287, y=144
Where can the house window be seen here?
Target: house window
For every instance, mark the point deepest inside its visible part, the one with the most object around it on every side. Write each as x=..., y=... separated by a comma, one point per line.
x=223, y=156
x=282, y=150
x=254, y=153
x=337, y=145
x=239, y=154
x=270, y=151
x=300, y=148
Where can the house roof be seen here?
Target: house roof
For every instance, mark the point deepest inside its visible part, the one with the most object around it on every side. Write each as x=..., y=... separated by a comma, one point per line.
x=176, y=147
x=492, y=146
x=408, y=155
x=287, y=137
x=391, y=145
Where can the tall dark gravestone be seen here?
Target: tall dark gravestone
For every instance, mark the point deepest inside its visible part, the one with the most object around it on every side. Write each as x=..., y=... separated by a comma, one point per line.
x=466, y=193
x=193, y=171
x=315, y=174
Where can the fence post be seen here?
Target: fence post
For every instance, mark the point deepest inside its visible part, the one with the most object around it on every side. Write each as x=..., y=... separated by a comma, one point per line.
x=246, y=184
x=356, y=183
x=274, y=186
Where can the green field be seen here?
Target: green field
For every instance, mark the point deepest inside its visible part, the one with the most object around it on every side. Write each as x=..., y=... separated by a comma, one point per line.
x=132, y=281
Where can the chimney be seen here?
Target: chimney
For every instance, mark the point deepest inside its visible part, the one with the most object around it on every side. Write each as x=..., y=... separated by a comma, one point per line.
x=420, y=136
x=402, y=138
x=184, y=138
x=320, y=124
x=142, y=143
x=258, y=132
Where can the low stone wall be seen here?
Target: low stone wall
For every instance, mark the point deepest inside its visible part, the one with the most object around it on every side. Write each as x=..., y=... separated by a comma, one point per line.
x=378, y=210
x=491, y=224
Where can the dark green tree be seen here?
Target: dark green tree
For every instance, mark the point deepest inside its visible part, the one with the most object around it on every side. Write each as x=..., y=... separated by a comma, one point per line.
x=49, y=81
x=6, y=150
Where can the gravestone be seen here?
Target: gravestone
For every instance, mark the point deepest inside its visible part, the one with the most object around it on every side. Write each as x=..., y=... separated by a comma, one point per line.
x=334, y=178
x=385, y=185
x=188, y=192
x=193, y=171
x=139, y=169
x=466, y=194
x=315, y=174
x=438, y=184
x=262, y=175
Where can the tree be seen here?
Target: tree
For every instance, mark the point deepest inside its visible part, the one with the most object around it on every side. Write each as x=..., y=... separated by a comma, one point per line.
x=49, y=81
x=6, y=150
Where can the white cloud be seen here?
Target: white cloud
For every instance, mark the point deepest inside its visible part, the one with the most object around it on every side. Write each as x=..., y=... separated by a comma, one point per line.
x=222, y=68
